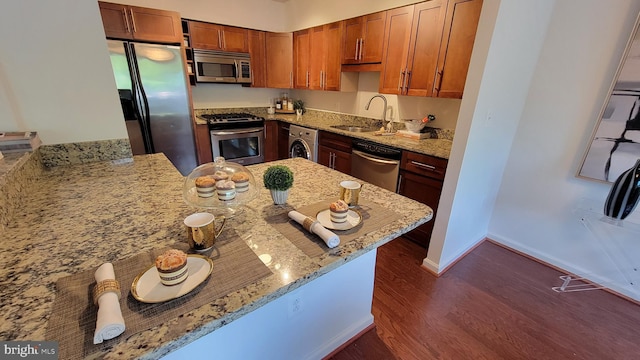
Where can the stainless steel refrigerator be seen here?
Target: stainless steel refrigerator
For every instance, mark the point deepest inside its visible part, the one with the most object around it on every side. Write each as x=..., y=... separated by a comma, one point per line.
x=153, y=93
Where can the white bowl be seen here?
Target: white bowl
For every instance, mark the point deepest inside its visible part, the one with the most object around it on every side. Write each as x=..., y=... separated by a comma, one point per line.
x=414, y=125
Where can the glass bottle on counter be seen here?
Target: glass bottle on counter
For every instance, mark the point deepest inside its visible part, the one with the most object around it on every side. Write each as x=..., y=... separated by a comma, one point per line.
x=278, y=104
x=285, y=101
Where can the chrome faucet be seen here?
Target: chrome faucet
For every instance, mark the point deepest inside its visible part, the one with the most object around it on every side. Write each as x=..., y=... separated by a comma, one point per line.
x=384, y=111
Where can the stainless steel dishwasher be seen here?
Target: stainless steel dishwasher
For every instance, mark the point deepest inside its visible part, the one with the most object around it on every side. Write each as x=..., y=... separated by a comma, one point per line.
x=376, y=164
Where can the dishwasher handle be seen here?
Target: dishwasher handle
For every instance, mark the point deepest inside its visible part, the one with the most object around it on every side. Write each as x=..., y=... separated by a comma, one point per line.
x=375, y=159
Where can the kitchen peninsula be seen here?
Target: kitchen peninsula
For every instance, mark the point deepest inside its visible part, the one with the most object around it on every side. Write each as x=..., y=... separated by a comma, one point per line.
x=75, y=217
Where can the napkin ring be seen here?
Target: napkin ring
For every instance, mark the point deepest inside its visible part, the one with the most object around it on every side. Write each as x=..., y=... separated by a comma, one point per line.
x=308, y=222
x=105, y=286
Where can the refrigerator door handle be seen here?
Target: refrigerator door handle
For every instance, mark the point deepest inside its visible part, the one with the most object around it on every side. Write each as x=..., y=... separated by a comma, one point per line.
x=144, y=108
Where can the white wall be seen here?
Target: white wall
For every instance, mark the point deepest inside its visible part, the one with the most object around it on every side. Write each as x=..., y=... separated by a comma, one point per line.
x=504, y=58
x=55, y=75
x=534, y=208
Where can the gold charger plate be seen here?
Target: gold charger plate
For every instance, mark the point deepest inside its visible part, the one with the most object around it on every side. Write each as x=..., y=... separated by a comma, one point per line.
x=353, y=219
x=147, y=288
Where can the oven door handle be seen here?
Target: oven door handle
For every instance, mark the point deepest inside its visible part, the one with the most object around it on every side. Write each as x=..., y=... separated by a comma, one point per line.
x=374, y=159
x=234, y=132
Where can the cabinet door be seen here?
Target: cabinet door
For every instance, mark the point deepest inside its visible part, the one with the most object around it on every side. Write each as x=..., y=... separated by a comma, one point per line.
x=426, y=191
x=279, y=60
x=205, y=36
x=235, y=39
x=203, y=144
x=271, y=131
x=458, y=36
x=426, y=33
x=316, y=58
x=115, y=20
x=325, y=156
x=396, y=45
x=155, y=25
x=342, y=161
x=371, y=45
x=333, y=49
x=351, y=40
x=258, y=58
x=283, y=140
x=301, y=51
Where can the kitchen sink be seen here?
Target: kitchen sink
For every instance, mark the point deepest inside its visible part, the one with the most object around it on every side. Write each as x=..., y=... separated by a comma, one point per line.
x=352, y=128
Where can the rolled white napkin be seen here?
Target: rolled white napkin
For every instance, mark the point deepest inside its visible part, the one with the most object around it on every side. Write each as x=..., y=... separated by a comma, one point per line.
x=331, y=239
x=110, y=322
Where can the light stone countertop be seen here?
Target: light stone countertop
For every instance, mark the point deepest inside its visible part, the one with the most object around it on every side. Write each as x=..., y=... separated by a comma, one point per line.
x=321, y=120
x=76, y=217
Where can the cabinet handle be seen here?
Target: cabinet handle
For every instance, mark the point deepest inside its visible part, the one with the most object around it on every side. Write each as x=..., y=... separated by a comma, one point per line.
x=133, y=20
x=400, y=81
x=333, y=162
x=219, y=41
x=399, y=184
x=438, y=81
x=361, y=46
x=307, y=78
x=126, y=20
x=356, y=53
x=290, y=79
x=407, y=82
x=224, y=40
x=423, y=165
x=321, y=79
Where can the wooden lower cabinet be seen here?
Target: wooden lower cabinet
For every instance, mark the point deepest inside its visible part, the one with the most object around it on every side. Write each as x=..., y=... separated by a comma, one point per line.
x=421, y=178
x=283, y=140
x=335, y=159
x=334, y=151
x=271, y=132
x=203, y=144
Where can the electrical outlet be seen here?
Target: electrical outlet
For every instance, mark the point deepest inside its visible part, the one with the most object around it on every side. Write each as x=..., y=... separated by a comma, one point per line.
x=295, y=305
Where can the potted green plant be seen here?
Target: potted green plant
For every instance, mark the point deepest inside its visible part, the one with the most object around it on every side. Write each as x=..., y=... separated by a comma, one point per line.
x=279, y=180
x=298, y=106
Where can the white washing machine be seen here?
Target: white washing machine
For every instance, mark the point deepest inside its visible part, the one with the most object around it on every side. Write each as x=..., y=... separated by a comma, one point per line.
x=303, y=142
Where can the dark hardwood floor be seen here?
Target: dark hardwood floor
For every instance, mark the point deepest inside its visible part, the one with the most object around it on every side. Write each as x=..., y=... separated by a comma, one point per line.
x=493, y=304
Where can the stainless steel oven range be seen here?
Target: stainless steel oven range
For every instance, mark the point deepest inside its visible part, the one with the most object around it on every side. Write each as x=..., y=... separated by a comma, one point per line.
x=237, y=137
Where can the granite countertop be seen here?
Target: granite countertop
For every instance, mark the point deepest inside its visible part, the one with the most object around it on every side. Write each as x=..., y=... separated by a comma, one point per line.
x=321, y=120
x=76, y=217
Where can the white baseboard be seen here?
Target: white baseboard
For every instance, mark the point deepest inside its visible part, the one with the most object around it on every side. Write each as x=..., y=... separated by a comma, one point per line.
x=341, y=338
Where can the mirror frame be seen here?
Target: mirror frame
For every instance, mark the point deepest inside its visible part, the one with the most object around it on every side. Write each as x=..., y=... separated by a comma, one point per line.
x=619, y=112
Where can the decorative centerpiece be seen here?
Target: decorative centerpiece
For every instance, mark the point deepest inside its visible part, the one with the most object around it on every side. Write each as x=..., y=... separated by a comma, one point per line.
x=278, y=179
x=221, y=187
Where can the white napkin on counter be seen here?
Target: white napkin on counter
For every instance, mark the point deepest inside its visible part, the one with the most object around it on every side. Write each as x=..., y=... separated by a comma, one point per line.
x=110, y=322
x=331, y=239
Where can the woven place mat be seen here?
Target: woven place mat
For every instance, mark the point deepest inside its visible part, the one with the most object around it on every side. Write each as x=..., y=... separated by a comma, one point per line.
x=73, y=318
x=374, y=217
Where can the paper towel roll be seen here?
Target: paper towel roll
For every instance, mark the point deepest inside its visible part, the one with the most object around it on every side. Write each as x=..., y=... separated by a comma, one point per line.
x=331, y=239
x=110, y=322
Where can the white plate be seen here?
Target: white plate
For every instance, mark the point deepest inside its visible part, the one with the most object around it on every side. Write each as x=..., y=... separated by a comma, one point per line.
x=353, y=219
x=147, y=287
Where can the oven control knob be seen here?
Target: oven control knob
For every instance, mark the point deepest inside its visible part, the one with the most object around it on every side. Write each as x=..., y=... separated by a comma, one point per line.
x=300, y=133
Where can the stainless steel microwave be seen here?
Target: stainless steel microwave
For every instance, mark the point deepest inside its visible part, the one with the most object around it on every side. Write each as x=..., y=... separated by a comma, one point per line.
x=222, y=67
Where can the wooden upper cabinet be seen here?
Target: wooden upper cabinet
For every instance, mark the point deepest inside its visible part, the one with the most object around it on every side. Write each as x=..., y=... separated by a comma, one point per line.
x=427, y=48
x=458, y=36
x=332, y=58
x=317, y=57
x=257, y=53
x=218, y=37
x=395, y=50
x=301, y=51
x=138, y=23
x=424, y=47
x=279, y=60
x=363, y=38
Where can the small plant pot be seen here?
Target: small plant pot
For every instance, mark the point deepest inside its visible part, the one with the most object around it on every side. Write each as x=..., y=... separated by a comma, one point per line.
x=279, y=196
